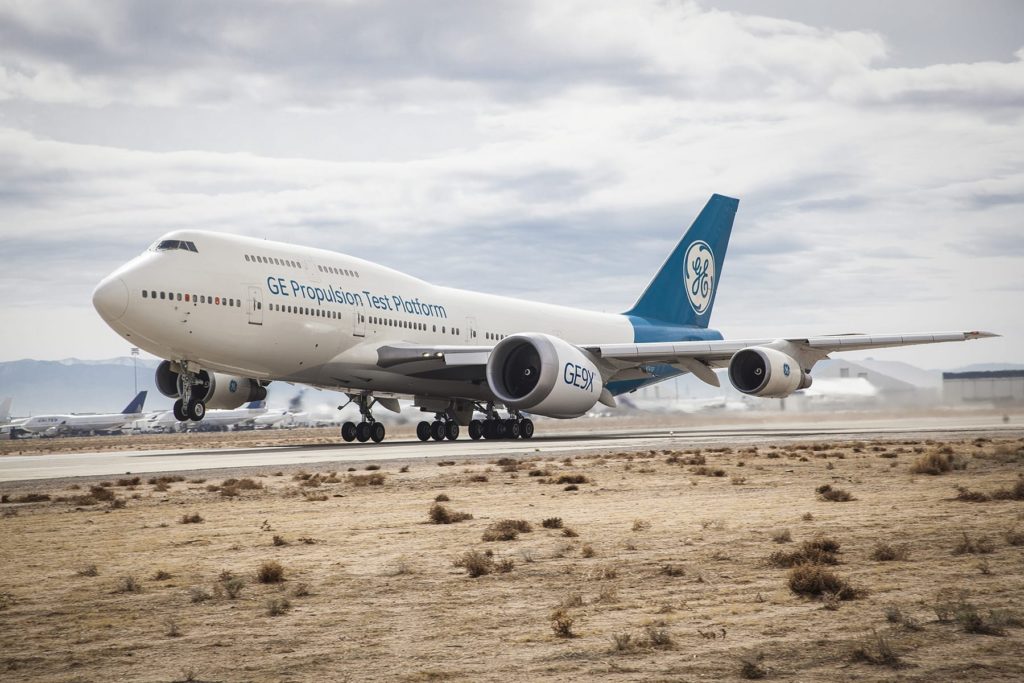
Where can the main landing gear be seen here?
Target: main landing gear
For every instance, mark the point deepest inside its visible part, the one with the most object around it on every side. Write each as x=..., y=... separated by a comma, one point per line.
x=368, y=429
x=492, y=427
x=189, y=406
x=443, y=427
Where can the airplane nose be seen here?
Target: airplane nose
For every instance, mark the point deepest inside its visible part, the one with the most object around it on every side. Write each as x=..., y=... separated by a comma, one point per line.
x=111, y=298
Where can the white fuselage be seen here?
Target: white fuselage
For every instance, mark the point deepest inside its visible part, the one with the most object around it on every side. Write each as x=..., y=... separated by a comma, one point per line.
x=273, y=311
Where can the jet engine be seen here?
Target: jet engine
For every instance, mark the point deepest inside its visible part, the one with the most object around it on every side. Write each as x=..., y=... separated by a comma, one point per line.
x=544, y=375
x=765, y=372
x=215, y=390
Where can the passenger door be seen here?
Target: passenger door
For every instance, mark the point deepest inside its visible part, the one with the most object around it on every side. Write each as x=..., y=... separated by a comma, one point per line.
x=255, y=305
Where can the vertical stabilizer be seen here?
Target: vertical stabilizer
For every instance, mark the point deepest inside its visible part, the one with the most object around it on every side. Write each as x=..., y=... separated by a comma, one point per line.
x=683, y=291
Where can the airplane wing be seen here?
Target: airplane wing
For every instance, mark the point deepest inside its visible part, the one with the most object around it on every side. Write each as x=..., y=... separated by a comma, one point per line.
x=619, y=360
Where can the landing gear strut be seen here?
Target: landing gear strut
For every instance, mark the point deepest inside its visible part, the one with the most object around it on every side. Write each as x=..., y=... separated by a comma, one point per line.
x=189, y=406
x=368, y=428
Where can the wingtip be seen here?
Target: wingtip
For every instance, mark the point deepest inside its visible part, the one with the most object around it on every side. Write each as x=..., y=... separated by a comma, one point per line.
x=979, y=334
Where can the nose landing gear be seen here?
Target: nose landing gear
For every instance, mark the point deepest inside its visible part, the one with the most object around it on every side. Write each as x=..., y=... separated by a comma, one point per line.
x=368, y=429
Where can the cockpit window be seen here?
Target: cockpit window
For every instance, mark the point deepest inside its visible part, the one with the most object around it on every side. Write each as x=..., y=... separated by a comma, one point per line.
x=167, y=245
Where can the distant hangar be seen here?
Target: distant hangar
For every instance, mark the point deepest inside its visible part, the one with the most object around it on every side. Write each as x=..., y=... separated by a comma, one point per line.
x=997, y=386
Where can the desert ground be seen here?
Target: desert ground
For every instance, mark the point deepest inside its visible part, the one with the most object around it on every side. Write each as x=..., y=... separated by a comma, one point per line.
x=724, y=563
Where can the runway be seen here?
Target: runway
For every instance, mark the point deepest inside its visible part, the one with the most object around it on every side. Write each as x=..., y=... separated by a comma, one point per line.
x=596, y=439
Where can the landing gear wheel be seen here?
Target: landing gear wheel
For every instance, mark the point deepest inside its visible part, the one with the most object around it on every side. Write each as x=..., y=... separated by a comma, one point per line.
x=476, y=429
x=451, y=430
x=179, y=411
x=489, y=429
x=377, y=432
x=513, y=428
x=348, y=431
x=526, y=428
x=423, y=431
x=500, y=430
x=196, y=410
x=363, y=432
x=437, y=430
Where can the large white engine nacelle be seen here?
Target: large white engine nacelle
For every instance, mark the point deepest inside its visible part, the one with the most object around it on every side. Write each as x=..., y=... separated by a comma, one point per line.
x=768, y=373
x=544, y=375
x=217, y=389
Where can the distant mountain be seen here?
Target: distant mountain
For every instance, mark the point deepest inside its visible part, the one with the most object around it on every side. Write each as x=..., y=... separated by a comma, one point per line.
x=88, y=386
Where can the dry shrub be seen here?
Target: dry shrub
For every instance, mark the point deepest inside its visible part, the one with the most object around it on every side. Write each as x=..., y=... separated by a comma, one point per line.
x=301, y=591
x=372, y=468
x=562, y=623
x=198, y=594
x=819, y=551
x=811, y=580
x=439, y=514
x=588, y=551
x=171, y=628
x=279, y=540
x=826, y=492
x=128, y=584
x=228, y=491
x=506, y=530
x=807, y=517
x=886, y=552
x=248, y=484
x=101, y=493
x=194, y=518
x=571, y=487
x=504, y=566
x=88, y=570
x=375, y=479
x=569, y=532
x=994, y=623
x=973, y=546
x=233, y=586
x=876, y=649
x=937, y=463
x=1014, y=537
x=133, y=481
x=782, y=536
x=270, y=572
x=657, y=637
x=552, y=523
x=311, y=497
x=1015, y=492
x=540, y=473
x=673, y=570
x=571, y=479
x=446, y=463
x=641, y=525
x=479, y=478
x=751, y=667
x=476, y=563
x=968, y=496
x=623, y=642
x=161, y=575
x=441, y=498
x=894, y=615
x=277, y=606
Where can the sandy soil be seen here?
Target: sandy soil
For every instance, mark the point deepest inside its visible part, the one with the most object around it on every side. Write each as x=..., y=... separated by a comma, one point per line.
x=385, y=601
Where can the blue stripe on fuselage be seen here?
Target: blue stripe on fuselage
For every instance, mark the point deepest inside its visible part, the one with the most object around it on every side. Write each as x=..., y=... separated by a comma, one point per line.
x=646, y=330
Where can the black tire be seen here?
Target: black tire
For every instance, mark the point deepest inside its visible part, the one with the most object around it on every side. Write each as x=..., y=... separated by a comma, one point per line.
x=488, y=429
x=348, y=432
x=377, y=432
x=526, y=428
x=500, y=430
x=437, y=430
x=179, y=410
x=196, y=410
x=451, y=430
x=363, y=432
x=423, y=431
x=476, y=429
x=513, y=429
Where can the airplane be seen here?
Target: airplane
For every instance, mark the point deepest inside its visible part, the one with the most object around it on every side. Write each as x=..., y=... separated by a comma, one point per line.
x=52, y=425
x=5, y=411
x=231, y=314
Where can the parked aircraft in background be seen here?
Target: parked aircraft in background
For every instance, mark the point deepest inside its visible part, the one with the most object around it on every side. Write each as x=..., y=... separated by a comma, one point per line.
x=54, y=425
x=5, y=411
x=231, y=314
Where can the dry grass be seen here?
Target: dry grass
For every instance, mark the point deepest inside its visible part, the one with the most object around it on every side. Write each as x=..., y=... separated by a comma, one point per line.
x=191, y=518
x=969, y=545
x=506, y=530
x=886, y=552
x=833, y=495
x=428, y=620
x=820, y=551
x=936, y=463
x=811, y=580
x=375, y=479
x=876, y=649
x=439, y=514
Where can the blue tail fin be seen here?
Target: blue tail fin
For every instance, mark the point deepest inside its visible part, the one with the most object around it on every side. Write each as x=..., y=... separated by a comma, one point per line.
x=136, y=405
x=683, y=291
x=255, y=405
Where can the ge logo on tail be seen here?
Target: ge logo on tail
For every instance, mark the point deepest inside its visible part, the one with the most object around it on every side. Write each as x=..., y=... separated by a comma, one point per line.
x=699, y=275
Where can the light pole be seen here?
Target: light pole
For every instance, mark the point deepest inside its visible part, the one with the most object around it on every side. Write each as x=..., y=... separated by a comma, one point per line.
x=135, y=367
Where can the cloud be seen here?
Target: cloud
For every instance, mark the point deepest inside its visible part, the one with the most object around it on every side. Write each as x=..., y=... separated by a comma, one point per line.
x=545, y=150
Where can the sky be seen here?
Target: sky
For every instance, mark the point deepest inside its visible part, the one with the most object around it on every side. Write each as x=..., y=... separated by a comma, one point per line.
x=553, y=151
